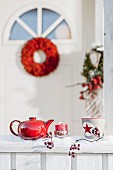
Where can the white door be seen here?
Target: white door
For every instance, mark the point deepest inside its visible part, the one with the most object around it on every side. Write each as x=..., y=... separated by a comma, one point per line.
x=23, y=95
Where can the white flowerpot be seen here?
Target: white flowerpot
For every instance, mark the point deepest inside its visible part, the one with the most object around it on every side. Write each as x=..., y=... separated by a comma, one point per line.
x=94, y=105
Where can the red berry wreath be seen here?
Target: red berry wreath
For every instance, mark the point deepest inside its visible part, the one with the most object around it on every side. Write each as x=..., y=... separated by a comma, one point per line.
x=39, y=69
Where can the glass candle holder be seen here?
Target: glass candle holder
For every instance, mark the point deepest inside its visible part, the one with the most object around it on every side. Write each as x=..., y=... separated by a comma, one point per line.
x=61, y=130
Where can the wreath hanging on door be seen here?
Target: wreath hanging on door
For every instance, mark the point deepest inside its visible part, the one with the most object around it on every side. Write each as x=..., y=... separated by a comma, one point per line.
x=39, y=69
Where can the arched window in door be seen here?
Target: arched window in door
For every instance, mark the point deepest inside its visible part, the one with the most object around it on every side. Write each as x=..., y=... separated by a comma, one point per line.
x=38, y=21
x=52, y=26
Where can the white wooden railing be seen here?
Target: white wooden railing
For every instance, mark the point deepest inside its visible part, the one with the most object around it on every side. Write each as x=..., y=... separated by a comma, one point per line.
x=33, y=155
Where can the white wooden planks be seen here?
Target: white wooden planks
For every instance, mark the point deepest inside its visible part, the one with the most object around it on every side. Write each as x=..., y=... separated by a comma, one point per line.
x=110, y=162
x=13, y=161
x=43, y=161
x=89, y=162
x=58, y=162
x=55, y=161
x=28, y=161
x=104, y=161
x=4, y=161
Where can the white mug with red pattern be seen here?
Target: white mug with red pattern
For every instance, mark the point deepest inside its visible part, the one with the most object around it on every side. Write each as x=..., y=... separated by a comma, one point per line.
x=93, y=128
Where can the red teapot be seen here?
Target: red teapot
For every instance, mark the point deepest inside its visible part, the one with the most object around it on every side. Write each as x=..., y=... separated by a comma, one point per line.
x=32, y=128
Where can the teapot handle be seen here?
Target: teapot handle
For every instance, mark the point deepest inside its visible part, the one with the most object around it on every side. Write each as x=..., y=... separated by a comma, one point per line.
x=11, y=129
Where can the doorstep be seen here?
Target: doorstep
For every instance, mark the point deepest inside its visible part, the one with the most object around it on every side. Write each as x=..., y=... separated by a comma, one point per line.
x=10, y=143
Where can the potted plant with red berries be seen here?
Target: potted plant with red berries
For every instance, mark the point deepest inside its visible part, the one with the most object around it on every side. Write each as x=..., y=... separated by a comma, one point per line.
x=92, y=93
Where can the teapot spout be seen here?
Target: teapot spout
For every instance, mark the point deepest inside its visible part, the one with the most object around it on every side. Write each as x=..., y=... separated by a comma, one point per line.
x=47, y=124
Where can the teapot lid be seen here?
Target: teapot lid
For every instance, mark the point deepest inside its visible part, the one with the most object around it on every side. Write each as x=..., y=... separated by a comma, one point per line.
x=32, y=118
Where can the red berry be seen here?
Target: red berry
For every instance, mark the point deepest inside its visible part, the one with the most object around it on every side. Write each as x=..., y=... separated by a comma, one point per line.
x=81, y=97
x=96, y=87
x=78, y=145
x=96, y=128
x=49, y=143
x=50, y=133
x=90, y=87
x=81, y=92
x=99, y=80
x=93, y=131
x=84, y=85
x=95, y=81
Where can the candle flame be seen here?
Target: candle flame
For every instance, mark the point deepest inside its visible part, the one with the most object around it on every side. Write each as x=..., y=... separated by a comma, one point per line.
x=60, y=123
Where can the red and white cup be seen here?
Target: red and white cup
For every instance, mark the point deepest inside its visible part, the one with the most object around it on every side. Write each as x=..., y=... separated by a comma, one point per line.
x=93, y=128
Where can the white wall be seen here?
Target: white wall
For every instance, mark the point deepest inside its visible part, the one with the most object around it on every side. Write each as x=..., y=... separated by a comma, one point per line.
x=108, y=66
x=99, y=20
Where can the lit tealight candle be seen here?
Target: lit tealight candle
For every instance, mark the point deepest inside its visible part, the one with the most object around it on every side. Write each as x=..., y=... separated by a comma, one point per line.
x=61, y=127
